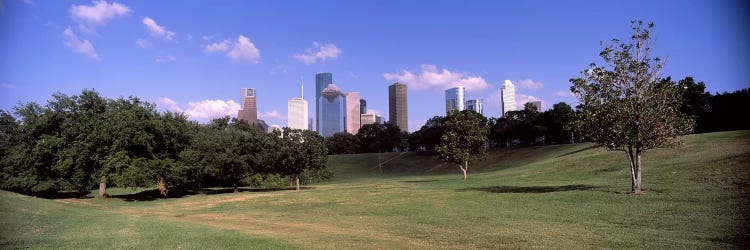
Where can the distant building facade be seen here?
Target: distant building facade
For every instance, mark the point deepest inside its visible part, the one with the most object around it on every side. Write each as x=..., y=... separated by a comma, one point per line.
x=322, y=80
x=454, y=99
x=367, y=119
x=508, y=97
x=249, y=111
x=397, y=106
x=352, y=112
x=297, y=114
x=362, y=106
x=475, y=105
x=332, y=110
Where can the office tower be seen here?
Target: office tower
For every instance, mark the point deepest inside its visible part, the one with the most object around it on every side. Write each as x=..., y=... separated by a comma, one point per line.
x=297, y=112
x=508, y=97
x=362, y=106
x=352, y=112
x=274, y=128
x=262, y=124
x=332, y=110
x=537, y=104
x=249, y=111
x=378, y=119
x=322, y=80
x=475, y=105
x=454, y=99
x=367, y=119
x=397, y=106
x=310, y=124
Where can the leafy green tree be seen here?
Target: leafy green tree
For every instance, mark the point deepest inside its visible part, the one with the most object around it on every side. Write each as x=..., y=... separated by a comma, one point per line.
x=627, y=106
x=559, y=121
x=343, y=143
x=464, y=139
x=299, y=151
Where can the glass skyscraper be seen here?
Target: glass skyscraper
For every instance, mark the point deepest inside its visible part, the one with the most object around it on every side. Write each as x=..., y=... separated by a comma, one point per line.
x=475, y=105
x=454, y=99
x=332, y=111
x=398, y=110
x=322, y=80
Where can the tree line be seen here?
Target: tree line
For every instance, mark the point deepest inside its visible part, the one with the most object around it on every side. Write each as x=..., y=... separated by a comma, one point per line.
x=83, y=141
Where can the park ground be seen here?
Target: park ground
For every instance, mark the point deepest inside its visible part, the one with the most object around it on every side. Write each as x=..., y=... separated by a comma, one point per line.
x=565, y=196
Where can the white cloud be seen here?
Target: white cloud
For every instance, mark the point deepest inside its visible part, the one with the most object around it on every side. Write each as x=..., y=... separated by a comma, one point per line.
x=143, y=43
x=156, y=30
x=324, y=51
x=273, y=114
x=244, y=51
x=189, y=36
x=565, y=93
x=207, y=37
x=81, y=46
x=168, y=104
x=218, y=47
x=373, y=111
x=100, y=13
x=209, y=109
x=433, y=78
x=522, y=99
x=162, y=59
x=529, y=84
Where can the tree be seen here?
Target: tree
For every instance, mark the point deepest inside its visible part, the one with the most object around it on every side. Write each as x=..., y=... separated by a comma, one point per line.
x=626, y=106
x=343, y=143
x=464, y=138
x=381, y=138
x=300, y=150
x=558, y=121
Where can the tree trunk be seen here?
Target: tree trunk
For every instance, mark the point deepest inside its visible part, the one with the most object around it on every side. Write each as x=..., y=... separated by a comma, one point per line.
x=102, y=186
x=297, y=180
x=634, y=157
x=236, y=187
x=465, y=169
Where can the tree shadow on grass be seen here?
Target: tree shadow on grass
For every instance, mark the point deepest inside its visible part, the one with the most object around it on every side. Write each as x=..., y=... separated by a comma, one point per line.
x=419, y=181
x=528, y=190
x=150, y=195
x=578, y=151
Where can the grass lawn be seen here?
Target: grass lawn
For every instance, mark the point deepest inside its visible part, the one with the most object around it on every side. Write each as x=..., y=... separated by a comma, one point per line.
x=567, y=196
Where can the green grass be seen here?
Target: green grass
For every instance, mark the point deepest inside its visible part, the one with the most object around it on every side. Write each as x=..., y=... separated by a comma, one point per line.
x=568, y=196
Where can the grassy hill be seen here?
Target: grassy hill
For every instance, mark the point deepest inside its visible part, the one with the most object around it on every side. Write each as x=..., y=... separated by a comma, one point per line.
x=568, y=196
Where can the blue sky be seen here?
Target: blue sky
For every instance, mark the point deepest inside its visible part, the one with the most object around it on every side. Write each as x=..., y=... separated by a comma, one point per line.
x=194, y=56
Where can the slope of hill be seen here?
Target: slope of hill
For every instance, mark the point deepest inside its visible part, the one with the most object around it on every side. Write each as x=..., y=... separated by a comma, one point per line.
x=568, y=196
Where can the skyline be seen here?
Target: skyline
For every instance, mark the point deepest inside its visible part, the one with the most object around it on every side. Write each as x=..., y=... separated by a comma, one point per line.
x=193, y=57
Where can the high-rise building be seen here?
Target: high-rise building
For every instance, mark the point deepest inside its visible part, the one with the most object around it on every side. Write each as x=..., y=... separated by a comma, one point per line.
x=475, y=105
x=249, y=111
x=362, y=106
x=397, y=106
x=537, y=104
x=297, y=113
x=352, y=112
x=310, y=124
x=332, y=110
x=322, y=80
x=454, y=99
x=508, y=97
x=378, y=119
x=367, y=119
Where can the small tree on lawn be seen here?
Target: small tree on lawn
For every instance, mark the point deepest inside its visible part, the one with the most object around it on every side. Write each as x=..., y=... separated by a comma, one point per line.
x=300, y=150
x=464, y=138
x=627, y=106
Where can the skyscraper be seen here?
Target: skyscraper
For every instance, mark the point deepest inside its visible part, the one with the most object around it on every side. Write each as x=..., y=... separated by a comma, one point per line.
x=454, y=99
x=508, y=97
x=397, y=106
x=362, y=106
x=249, y=111
x=475, y=105
x=352, y=112
x=322, y=80
x=332, y=109
x=297, y=113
